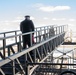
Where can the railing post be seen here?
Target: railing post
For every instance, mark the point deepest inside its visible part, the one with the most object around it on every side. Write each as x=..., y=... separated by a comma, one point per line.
x=56, y=30
x=27, y=68
x=4, y=35
x=40, y=33
x=34, y=51
x=36, y=35
x=15, y=37
x=63, y=28
x=59, y=29
x=4, y=45
x=39, y=36
x=13, y=62
x=9, y=51
x=44, y=33
x=19, y=42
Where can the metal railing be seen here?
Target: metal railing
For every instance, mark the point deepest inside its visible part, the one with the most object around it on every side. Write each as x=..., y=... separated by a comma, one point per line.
x=46, y=40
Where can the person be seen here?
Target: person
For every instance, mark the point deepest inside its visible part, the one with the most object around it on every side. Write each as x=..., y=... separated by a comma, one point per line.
x=26, y=26
x=51, y=32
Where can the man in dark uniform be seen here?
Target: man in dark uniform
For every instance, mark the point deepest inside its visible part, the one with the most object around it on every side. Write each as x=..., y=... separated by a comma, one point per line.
x=26, y=26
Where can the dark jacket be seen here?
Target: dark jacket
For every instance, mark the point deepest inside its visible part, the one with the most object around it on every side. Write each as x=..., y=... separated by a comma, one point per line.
x=26, y=26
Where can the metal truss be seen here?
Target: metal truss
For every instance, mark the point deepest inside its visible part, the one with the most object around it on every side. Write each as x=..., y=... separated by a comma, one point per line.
x=15, y=60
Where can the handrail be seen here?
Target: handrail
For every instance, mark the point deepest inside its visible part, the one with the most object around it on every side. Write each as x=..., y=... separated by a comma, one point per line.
x=19, y=30
x=27, y=33
x=25, y=51
x=37, y=28
x=39, y=36
x=47, y=39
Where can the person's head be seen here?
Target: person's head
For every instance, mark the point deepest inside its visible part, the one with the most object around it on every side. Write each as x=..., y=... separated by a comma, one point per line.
x=27, y=17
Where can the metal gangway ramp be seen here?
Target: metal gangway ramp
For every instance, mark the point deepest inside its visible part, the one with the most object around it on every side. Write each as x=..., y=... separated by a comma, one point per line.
x=17, y=61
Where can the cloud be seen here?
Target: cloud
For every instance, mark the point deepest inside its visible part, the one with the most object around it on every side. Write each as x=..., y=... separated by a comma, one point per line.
x=45, y=8
x=32, y=18
x=45, y=18
x=57, y=19
x=12, y=24
x=54, y=8
x=71, y=19
x=14, y=21
x=5, y=22
x=20, y=17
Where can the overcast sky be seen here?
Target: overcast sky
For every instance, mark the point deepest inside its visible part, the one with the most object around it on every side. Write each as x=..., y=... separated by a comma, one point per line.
x=42, y=12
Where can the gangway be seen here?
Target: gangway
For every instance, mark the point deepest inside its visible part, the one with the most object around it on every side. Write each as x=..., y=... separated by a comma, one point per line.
x=14, y=60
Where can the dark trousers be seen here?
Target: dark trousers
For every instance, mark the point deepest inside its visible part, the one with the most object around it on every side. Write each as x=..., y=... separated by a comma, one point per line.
x=27, y=41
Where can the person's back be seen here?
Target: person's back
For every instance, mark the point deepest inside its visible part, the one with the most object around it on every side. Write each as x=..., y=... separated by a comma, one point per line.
x=26, y=26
